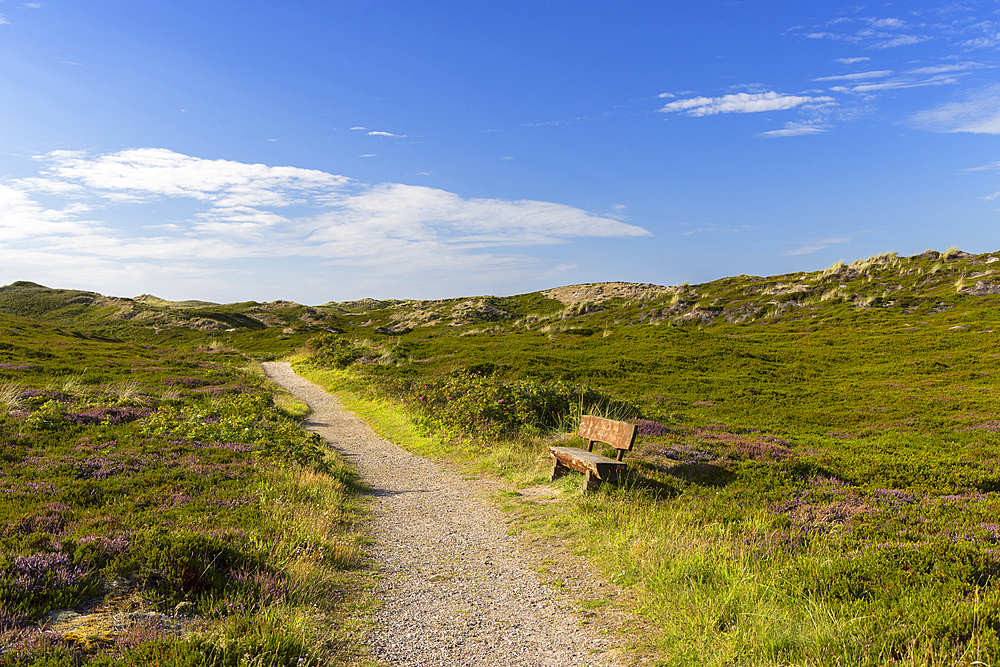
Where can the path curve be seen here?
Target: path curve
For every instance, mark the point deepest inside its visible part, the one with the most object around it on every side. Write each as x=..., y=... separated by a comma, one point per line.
x=453, y=590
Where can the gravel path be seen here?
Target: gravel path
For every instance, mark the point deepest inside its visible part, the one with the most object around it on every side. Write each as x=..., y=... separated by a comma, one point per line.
x=453, y=589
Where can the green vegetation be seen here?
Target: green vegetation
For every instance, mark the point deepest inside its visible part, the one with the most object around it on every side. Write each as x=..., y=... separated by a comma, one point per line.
x=163, y=494
x=816, y=479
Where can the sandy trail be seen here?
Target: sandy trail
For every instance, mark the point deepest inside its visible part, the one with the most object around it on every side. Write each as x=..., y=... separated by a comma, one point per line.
x=453, y=589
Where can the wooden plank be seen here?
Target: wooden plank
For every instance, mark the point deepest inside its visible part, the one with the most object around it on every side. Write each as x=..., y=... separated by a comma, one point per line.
x=620, y=435
x=602, y=467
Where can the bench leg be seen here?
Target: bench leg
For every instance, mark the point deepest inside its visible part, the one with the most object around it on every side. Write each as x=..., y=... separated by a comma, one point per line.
x=558, y=470
x=593, y=483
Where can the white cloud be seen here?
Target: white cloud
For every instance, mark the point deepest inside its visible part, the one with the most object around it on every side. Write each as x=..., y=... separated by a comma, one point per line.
x=851, y=61
x=908, y=82
x=979, y=113
x=936, y=75
x=3, y=21
x=146, y=173
x=377, y=133
x=876, y=74
x=992, y=166
x=890, y=24
x=214, y=213
x=663, y=95
x=795, y=130
x=941, y=69
x=900, y=40
x=816, y=246
x=358, y=127
x=369, y=155
x=824, y=35
x=744, y=103
x=33, y=5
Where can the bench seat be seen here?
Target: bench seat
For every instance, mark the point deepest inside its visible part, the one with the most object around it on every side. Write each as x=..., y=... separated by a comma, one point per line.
x=581, y=460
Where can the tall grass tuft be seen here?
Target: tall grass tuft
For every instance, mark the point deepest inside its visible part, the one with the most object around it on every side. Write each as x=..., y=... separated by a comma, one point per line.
x=951, y=253
x=10, y=397
x=128, y=392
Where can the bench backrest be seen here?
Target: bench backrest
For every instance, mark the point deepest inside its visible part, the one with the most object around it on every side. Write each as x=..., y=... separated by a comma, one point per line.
x=620, y=435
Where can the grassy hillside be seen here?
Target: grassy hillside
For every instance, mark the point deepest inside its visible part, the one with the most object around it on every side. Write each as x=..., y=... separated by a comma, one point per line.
x=157, y=506
x=817, y=476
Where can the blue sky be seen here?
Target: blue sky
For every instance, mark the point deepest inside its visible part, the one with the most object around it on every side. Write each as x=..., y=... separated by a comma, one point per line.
x=320, y=151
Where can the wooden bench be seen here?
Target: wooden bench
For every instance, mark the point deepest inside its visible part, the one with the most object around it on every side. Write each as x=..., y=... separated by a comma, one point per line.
x=599, y=469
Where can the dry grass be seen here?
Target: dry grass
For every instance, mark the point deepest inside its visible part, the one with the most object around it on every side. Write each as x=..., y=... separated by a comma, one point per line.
x=10, y=397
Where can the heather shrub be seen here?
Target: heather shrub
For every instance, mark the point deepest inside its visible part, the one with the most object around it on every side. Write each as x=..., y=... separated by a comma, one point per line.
x=489, y=407
x=331, y=351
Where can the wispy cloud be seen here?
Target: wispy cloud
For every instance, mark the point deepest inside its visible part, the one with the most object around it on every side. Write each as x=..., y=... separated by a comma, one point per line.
x=816, y=246
x=214, y=213
x=852, y=61
x=979, y=113
x=378, y=133
x=903, y=82
x=899, y=40
x=933, y=75
x=743, y=103
x=793, y=129
x=992, y=166
x=893, y=24
x=3, y=20
x=876, y=74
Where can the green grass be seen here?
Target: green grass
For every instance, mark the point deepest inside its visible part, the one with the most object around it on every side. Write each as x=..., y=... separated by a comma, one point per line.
x=167, y=480
x=819, y=482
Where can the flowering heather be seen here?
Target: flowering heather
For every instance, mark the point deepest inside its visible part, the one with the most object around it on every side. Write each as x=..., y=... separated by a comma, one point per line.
x=10, y=621
x=50, y=394
x=50, y=520
x=29, y=641
x=111, y=546
x=13, y=366
x=266, y=587
x=990, y=426
x=32, y=573
x=679, y=452
x=222, y=389
x=101, y=467
x=142, y=632
x=651, y=428
x=39, y=462
x=894, y=498
x=111, y=416
x=190, y=383
x=177, y=500
x=812, y=516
